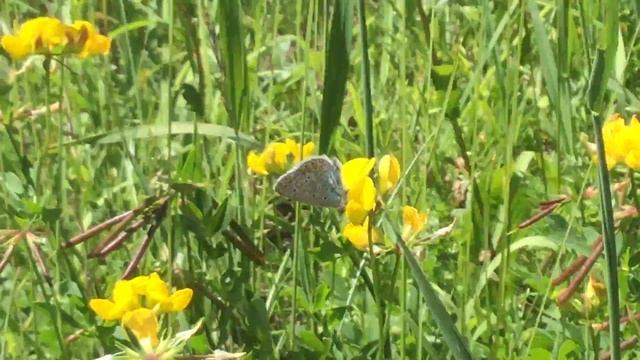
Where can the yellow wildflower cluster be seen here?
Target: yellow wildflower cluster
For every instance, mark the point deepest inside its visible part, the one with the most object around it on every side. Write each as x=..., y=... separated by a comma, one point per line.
x=361, y=195
x=277, y=157
x=50, y=36
x=136, y=303
x=622, y=141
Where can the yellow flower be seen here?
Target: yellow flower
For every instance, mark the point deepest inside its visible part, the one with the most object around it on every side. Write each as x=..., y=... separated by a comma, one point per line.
x=621, y=143
x=594, y=294
x=413, y=220
x=307, y=150
x=42, y=35
x=92, y=42
x=277, y=157
x=353, y=171
x=294, y=149
x=355, y=213
x=358, y=235
x=256, y=163
x=388, y=173
x=49, y=36
x=144, y=325
x=632, y=144
x=364, y=193
x=126, y=295
x=157, y=294
x=124, y=298
x=632, y=159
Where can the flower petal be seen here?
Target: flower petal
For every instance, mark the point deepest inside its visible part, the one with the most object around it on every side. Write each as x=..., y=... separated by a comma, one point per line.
x=124, y=296
x=358, y=235
x=157, y=290
x=388, y=173
x=16, y=47
x=633, y=159
x=307, y=149
x=139, y=284
x=105, y=309
x=180, y=299
x=413, y=220
x=90, y=42
x=256, y=164
x=144, y=325
x=364, y=193
x=356, y=214
x=354, y=170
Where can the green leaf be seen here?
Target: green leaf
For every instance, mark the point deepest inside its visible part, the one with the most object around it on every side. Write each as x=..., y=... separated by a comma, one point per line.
x=234, y=59
x=13, y=183
x=216, y=221
x=327, y=251
x=335, y=72
x=177, y=128
x=311, y=341
x=131, y=26
x=547, y=60
x=190, y=171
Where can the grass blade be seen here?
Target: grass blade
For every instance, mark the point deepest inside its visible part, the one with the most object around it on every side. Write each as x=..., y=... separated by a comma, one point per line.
x=366, y=80
x=602, y=70
x=233, y=59
x=455, y=341
x=177, y=128
x=549, y=70
x=335, y=72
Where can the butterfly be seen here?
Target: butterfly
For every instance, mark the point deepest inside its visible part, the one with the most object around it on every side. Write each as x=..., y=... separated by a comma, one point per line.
x=315, y=181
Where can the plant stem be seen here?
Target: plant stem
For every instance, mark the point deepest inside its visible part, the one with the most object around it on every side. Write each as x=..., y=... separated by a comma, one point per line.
x=609, y=239
x=366, y=81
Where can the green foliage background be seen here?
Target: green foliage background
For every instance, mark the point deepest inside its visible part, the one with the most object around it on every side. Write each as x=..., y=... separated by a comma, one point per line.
x=483, y=102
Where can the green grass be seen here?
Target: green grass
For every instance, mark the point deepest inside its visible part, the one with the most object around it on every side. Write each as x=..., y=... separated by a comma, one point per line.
x=484, y=104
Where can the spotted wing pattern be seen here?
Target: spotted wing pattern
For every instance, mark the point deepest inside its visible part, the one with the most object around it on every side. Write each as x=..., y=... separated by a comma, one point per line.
x=315, y=181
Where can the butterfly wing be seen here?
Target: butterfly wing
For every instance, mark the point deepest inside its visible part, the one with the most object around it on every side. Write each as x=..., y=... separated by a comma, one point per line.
x=314, y=181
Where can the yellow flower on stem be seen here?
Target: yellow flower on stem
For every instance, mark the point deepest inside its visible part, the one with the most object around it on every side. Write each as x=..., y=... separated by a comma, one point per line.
x=388, y=173
x=157, y=295
x=144, y=325
x=358, y=235
x=353, y=171
x=124, y=298
x=413, y=221
x=50, y=36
